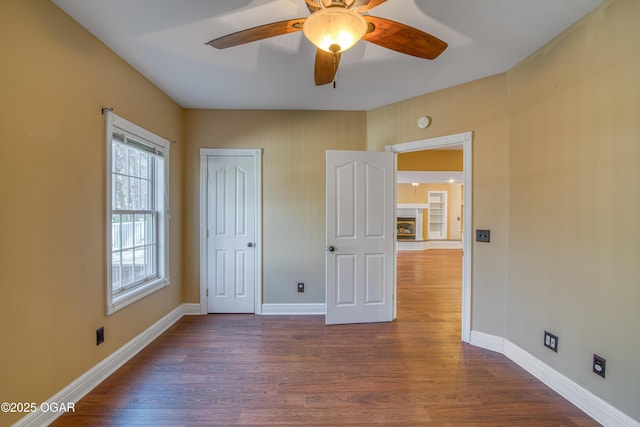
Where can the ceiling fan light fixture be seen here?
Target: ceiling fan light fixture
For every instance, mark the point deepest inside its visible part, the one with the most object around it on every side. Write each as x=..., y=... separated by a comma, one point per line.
x=335, y=29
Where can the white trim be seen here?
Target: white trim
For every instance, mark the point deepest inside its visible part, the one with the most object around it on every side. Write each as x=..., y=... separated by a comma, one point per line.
x=113, y=124
x=256, y=153
x=487, y=341
x=94, y=376
x=231, y=152
x=438, y=142
x=592, y=405
x=294, y=309
x=204, y=303
x=423, y=245
x=465, y=139
x=412, y=206
x=191, y=309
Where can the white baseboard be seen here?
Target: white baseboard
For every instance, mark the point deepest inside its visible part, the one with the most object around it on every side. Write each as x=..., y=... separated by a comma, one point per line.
x=294, y=309
x=191, y=309
x=423, y=245
x=489, y=342
x=592, y=405
x=94, y=376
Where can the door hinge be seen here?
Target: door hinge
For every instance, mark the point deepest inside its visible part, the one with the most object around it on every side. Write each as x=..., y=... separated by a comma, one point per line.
x=207, y=291
x=207, y=234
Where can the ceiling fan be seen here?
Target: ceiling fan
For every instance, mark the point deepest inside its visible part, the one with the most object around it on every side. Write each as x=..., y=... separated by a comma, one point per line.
x=336, y=25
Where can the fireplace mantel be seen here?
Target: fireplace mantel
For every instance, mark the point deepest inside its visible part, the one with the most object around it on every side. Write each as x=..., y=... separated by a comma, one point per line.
x=413, y=205
x=413, y=210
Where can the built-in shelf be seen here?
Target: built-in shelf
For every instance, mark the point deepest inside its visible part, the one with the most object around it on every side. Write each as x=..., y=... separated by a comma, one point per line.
x=437, y=215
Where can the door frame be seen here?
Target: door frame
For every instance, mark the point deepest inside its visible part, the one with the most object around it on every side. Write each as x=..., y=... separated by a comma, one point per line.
x=465, y=139
x=205, y=153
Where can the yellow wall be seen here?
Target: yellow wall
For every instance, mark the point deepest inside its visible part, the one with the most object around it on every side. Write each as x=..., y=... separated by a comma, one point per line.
x=294, y=144
x=434, y=161
x=55, y=77
x=407, y=194
x=431, y=160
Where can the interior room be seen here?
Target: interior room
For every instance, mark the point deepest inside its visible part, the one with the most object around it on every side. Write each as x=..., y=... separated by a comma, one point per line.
x=430, y=199
x=554, y=179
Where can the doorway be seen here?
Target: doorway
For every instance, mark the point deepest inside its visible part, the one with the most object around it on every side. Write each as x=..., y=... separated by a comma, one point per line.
x=230, y=224
x=464, y=140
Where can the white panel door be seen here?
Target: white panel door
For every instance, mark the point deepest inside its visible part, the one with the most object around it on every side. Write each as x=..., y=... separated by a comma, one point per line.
x=231, y=231
x=360, y=234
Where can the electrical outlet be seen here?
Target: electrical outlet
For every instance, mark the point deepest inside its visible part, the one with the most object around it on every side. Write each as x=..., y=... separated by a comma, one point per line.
x=300, y=287
x=483, y=235
x=599, y=365
x=100, y=335
x=551, y=341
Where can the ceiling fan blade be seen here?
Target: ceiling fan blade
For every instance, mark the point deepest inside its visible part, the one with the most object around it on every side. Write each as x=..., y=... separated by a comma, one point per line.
x=365, y=5
x=403, y=38
x=326, y=67
x=258, y=33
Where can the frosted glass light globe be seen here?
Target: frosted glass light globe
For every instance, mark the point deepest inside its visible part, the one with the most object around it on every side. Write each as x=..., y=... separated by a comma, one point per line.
x=335, y=29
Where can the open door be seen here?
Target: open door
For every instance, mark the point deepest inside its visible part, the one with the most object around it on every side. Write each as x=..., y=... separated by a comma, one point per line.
x=360, y=237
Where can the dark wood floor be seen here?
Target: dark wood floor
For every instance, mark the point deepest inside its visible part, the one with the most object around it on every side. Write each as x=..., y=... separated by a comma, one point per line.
x=224, y=370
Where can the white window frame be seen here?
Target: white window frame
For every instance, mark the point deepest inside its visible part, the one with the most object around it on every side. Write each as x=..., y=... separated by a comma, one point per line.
x=116, y=124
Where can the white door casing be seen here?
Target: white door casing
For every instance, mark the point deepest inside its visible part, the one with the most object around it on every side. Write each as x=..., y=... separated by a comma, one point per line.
x=360, y=237
x=465, y=140
x=230, y=227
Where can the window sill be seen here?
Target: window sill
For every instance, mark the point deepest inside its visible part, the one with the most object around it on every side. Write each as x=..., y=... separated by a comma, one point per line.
x=121, y=301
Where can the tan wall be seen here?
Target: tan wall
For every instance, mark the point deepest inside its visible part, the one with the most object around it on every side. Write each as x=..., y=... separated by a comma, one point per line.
x=551, y=140
x=294, y=144
x=555, y=176
x=55, y=77
x=573, y=236
x=480, y=107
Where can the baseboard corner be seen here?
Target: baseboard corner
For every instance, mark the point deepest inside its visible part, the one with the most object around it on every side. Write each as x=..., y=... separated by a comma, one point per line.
x=487, y=341
x=191, y=309
x=598, y=409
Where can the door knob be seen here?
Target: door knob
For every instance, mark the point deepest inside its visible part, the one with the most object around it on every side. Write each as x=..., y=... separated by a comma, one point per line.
x=250, y=244
x=332, y=248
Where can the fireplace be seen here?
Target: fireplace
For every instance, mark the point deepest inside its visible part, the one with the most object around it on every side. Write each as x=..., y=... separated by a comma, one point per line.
x=406, y=227
x=409, y=221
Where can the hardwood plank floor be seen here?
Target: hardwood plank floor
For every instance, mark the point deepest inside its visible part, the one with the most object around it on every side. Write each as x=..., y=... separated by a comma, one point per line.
x=224, y=370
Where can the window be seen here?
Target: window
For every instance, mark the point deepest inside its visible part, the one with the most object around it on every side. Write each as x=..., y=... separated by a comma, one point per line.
x=137, y=203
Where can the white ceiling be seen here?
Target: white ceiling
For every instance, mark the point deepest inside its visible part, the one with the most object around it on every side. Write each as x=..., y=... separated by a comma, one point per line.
x=165, y=41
